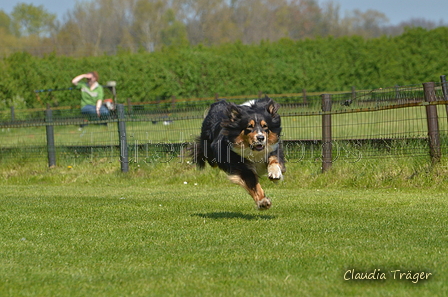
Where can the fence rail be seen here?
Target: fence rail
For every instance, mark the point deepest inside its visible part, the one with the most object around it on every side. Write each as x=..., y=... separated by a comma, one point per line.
x=405, y=121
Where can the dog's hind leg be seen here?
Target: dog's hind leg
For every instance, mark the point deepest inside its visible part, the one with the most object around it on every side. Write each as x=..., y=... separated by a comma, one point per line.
x=253, y=187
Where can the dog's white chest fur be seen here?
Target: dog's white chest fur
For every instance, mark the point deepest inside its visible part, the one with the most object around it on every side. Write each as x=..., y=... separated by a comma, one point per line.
x=257, y=160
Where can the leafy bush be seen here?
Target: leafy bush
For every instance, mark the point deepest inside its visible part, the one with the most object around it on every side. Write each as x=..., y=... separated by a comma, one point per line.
x=285, y=66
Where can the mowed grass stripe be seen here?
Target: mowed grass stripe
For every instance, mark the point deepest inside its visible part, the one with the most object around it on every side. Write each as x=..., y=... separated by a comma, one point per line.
x=208, y=240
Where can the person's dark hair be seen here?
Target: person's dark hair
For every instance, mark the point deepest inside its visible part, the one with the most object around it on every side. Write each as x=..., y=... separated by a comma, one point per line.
x=95, y=74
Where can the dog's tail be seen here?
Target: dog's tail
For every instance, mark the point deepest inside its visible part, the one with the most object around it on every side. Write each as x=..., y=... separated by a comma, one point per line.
x=197, y=153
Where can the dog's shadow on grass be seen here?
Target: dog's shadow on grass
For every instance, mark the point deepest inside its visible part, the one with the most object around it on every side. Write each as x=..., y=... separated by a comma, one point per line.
x=233, y=215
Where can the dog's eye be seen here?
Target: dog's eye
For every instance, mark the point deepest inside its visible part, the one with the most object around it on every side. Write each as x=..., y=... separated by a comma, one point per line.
x=264, y=126
x=250, y=126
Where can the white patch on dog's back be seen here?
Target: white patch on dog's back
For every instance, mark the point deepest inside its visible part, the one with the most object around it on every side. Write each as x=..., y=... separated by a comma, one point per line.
x=249, y=103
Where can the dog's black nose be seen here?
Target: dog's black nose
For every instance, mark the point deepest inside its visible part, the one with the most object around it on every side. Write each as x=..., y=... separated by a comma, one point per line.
x=260, y=138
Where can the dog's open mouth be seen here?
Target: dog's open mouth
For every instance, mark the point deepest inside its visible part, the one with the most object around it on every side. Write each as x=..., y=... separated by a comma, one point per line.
x=258, y=147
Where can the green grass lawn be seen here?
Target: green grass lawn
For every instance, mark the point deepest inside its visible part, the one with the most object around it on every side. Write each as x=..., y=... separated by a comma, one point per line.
x=92, y=231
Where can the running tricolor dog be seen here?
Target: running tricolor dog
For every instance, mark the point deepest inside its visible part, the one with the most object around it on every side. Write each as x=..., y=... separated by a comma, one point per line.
x=243, y=141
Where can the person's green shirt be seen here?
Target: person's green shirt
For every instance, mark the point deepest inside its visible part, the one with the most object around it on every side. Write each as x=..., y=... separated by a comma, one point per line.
x=88, y=96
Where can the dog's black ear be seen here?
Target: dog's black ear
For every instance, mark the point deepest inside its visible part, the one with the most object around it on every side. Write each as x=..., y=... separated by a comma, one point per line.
x=233, y=112
x=233, y=117
x=272, y=107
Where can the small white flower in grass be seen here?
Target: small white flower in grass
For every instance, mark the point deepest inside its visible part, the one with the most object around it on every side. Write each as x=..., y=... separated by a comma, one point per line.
x=195, y=184
x=185, y=182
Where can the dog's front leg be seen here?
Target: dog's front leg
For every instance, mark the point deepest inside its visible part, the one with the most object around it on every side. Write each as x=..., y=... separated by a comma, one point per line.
x=275, y=168
x=253, y=187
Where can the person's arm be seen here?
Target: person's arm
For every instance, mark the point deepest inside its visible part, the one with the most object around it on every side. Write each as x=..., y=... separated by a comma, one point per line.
x=76, y=80
x=98, y=106
x=99, y=102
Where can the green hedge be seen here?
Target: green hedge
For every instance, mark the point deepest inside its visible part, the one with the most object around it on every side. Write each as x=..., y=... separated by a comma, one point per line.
x=286, y=66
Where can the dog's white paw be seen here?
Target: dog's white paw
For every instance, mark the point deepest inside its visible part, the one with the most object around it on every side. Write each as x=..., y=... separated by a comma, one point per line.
x=264, y=203
x=275, y=172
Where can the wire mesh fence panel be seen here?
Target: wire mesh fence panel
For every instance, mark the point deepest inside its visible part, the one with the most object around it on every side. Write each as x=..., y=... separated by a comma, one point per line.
x=442, y=111
x=380, y=123
x=301, y=127
x=173, y=131
x=392, y=123
x=23, y=137
x=301, y=120
x=91, y=142
x=35, y=153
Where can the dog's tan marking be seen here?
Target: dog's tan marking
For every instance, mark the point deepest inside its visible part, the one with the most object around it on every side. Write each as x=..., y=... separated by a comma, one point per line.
x=233, y=115
x=275, y=169
x=247, y=140
x=241, y=141
x=263, y=124
x=272, y=108
x=273, y=160
x=252, y=138
x=272, y=138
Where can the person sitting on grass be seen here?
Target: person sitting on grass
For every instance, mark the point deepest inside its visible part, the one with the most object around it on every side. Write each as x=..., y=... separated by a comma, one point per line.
x=92, y=95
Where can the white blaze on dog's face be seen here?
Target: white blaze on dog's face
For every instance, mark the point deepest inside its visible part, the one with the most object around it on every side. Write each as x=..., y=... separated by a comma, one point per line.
x=256, y=134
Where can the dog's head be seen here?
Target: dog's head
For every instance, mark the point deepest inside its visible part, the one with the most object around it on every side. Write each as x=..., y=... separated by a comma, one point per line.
x=253, y=126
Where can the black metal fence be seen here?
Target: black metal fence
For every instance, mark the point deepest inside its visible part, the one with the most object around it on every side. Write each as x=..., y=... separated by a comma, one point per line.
x=329, y=128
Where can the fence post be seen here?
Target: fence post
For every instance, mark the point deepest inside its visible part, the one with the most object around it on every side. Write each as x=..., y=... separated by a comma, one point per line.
x=445, y=92
x=304, y=96
x=433, y=123
x=51, y=152
x=444, y=87
x=129, y=106
x=353, y=92
x=13, y=114
x=326, y=133
x=124, y=158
